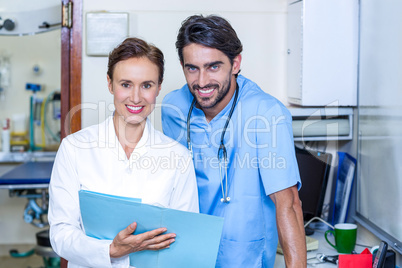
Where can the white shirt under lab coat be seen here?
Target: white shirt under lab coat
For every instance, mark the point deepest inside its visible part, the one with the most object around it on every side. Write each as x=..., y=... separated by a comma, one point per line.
x=160, y=172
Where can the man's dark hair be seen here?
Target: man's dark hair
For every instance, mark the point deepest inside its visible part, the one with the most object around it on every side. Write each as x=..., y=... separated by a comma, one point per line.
x=210, y=31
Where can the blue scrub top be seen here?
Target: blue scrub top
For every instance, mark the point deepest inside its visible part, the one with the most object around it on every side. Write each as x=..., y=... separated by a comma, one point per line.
x=260, y=148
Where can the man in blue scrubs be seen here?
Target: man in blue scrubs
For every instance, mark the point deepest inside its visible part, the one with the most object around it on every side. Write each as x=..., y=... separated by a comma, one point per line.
x=257, y=194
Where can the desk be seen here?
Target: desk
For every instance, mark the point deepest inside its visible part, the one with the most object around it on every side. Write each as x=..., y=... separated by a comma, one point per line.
x=323, y=247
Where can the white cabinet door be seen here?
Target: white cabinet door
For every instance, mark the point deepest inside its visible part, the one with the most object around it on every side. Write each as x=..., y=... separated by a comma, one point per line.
x=294, y=60
x=327, y=40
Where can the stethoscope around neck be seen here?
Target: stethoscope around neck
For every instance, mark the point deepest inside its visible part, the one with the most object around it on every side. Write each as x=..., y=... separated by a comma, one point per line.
x=222, y=153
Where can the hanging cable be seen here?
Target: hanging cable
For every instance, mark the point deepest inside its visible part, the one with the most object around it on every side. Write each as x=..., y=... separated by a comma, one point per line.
x=318, y=218
x=48, y=129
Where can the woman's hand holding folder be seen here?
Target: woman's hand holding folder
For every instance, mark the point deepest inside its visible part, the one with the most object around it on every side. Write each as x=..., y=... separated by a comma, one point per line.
x=126, y=242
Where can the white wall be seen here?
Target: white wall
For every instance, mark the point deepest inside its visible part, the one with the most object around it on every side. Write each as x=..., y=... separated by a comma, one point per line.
x=260, y=25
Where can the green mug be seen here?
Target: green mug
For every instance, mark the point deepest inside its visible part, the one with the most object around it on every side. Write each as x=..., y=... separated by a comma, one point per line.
x=345, y=237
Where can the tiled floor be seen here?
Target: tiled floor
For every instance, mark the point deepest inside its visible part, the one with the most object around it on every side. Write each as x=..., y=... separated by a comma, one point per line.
x=33, y=261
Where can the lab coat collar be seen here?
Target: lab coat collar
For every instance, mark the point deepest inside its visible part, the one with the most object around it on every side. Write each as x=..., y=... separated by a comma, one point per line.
x=141, y=148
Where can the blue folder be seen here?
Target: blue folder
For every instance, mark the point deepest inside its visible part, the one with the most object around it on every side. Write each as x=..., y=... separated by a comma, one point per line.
x=342, y=188
x=197, y=235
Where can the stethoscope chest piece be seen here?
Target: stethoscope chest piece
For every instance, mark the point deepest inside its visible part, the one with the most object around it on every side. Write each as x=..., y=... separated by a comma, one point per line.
x=225, y=200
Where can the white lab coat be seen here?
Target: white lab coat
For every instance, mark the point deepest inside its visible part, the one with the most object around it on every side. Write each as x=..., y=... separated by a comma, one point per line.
x=160, y=172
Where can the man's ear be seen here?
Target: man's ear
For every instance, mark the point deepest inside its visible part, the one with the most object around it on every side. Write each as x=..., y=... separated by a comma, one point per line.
x=109, y=84
x=236, y=64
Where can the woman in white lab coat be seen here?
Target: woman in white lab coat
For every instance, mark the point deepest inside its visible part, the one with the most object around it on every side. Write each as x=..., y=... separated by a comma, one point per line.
x=122, y=156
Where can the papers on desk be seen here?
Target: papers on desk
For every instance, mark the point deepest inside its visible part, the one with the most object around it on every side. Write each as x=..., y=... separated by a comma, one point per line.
x=311, y=244
x=197, y=235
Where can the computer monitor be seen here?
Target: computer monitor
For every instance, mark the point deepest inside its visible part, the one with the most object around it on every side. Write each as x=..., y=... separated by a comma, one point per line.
x=314, y=170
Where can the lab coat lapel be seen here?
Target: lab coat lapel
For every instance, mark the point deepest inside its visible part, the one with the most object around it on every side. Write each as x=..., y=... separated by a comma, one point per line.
x=112, y=140
x=143, y=145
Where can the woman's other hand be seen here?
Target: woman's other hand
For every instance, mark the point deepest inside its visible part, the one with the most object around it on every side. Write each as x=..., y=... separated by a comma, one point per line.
x=125, y=242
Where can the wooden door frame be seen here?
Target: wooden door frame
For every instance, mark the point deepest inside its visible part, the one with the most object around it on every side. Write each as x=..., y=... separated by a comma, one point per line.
x=71, y=71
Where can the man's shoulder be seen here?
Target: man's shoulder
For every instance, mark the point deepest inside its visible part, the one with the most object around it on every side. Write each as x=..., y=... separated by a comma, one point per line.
x=175, y=105
x=177, y=96
x=250, y=90
x=253, y=98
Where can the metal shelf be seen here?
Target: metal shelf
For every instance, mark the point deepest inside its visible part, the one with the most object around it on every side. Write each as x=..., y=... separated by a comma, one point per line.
x=322, y=123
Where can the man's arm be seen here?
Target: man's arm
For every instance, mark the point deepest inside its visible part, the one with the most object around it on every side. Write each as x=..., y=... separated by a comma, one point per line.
x=289, y=219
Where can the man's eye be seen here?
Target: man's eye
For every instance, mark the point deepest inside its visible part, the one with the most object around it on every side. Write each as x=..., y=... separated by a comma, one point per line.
x=192, y=69
x=125, y=85
x=146, y=86
x=214, y=67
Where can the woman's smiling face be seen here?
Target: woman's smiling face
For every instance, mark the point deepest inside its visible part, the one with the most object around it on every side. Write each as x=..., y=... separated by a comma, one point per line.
x=135, y=87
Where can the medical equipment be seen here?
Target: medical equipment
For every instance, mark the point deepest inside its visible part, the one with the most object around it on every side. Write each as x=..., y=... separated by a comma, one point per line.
x=29, y=18
x=31, y=180
x=5, y=75
x=5, y=136
x=222, y=153
x=19, y=141
x=38, y=111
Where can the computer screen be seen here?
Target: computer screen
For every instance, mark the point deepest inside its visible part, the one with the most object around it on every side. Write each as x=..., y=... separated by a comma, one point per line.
x=314, y=169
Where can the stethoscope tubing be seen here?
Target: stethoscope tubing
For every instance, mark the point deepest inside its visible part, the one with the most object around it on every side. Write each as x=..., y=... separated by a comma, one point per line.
x=222, y=153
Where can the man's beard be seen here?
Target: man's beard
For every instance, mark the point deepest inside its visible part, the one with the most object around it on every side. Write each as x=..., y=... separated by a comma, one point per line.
x=221, y=94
